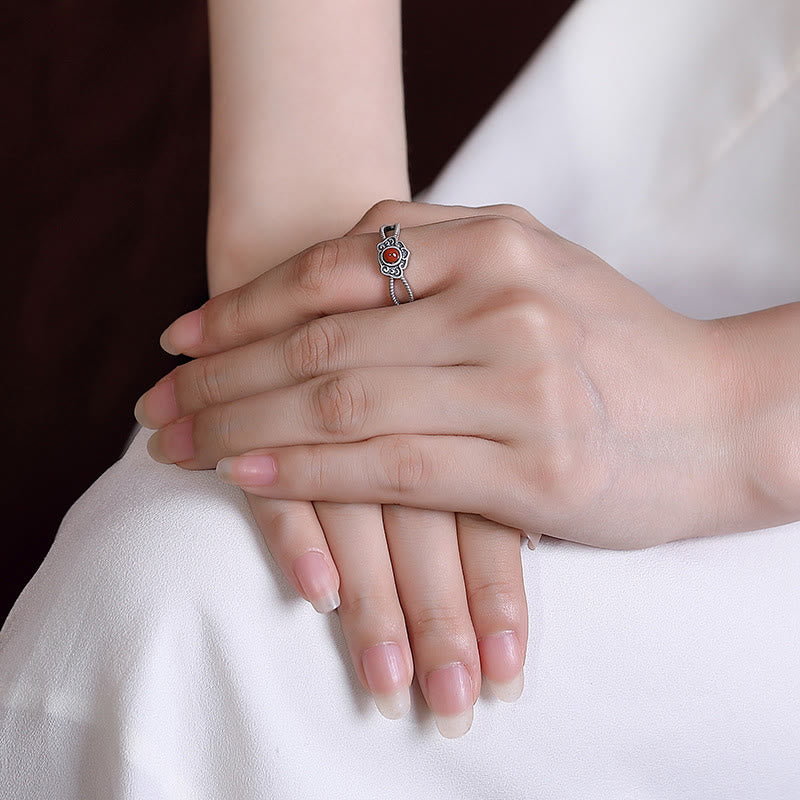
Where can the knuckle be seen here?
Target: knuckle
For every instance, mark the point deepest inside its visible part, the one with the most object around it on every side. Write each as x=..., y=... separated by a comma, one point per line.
x=533, y=319
x=513, y=211
x=385, y=212
x=228, y=319
x=310, y=349
x=281, y=521
x=562, y=451
x=438, y=623
x=204, y=383
x=515, y=247
x=367, y=609
x=315, y=267
x=508, y=245
x=315, y=471
x=213, y=326
x=184, y=382
x=213, y=430
x=501, y=599
x=341, y=405
x=522, y=318
x=403, y=466
x=508, y=231
x=560, y=473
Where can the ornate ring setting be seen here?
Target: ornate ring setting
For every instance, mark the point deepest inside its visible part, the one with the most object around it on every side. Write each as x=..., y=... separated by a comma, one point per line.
x=393, y=258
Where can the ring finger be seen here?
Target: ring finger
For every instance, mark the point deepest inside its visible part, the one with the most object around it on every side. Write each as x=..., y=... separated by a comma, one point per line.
x=339, y=276
x=434, y=601
x=492, y=564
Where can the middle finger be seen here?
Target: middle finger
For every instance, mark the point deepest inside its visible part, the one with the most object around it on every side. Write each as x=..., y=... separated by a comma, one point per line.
x=434, y=600
x=347, y=406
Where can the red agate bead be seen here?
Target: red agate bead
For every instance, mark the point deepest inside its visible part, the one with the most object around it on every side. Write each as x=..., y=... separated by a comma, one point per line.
x=391, y=255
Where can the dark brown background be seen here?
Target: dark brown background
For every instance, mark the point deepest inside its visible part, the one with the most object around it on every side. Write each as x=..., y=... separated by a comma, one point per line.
x=104, y=143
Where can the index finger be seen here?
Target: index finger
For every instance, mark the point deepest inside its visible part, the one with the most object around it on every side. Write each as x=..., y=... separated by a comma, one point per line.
x=334, y=276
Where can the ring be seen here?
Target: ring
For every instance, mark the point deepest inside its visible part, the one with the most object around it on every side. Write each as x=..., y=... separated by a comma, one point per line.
x=393, y=258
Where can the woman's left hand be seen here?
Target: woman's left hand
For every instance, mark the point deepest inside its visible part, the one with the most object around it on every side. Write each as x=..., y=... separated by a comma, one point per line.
x=529, y=383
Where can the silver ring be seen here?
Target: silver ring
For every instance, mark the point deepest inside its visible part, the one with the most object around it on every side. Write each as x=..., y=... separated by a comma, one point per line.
x=393, y=258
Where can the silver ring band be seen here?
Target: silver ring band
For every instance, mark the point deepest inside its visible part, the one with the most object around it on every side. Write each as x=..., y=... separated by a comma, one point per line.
x=393, y=258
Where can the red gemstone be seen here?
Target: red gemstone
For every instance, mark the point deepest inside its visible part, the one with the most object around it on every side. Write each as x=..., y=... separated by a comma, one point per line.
x=391, y=255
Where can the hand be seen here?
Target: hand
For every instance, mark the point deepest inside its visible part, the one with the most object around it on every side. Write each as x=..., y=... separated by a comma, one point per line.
x=436, y=598
x=530, y=384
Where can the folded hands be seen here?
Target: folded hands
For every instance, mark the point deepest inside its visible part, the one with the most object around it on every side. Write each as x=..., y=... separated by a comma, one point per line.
x=529, y=387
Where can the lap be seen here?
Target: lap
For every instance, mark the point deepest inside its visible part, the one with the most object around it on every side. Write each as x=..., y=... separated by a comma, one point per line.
x=159, y=653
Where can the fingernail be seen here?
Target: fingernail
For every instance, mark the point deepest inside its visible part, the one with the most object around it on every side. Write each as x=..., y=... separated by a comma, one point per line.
x=533, y=539
x=248, y=470
x=316, y=582
x=501, y=661
x=384, y=669
x=157, y=407
x=173, y=443
x=183, y=334
x=450, y=699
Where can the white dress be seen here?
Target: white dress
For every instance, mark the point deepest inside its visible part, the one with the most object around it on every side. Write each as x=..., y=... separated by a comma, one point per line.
x=159, y=653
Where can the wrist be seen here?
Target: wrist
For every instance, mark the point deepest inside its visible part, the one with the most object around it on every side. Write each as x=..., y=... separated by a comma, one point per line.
x=304, y=137
x=758, y=380
x=245, y=238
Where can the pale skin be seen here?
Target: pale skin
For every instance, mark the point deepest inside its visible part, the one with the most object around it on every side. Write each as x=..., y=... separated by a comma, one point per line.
x=612, y=422
x=304, y=140
x=548, y=389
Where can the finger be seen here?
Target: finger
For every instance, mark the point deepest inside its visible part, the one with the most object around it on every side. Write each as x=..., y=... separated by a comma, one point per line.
x=447, y=473
x=431, y=589
x=347, y=406
x=337, y=276
x=296, y=541
x=370, y=613
x=492, y=564
x=378, y=337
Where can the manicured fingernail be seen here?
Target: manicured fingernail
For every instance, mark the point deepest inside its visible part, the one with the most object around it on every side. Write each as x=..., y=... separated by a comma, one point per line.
x=385, y=671
x=173, y=443
x=316, y=581
x=450, y=698
x=501, y=661
x=248, y=470
x=157, y=407
x=533, y=539
x=183, y=334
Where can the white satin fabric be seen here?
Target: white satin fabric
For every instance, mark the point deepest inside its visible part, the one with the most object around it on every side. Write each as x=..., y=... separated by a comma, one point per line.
x=158, y=653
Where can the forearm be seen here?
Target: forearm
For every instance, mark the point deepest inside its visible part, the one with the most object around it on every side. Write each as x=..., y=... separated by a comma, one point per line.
x=760, y=380
x=308, y=127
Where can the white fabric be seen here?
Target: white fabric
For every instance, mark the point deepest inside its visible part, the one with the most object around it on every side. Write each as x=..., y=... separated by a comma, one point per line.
x=158, y=653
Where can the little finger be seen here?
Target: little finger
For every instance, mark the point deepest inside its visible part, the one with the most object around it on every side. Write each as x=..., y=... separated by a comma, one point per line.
x=492, y=564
